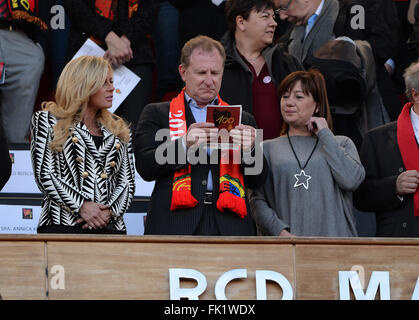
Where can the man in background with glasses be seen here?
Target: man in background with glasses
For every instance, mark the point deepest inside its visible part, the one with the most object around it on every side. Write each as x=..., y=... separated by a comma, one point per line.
x=296, y=11
x=306, y=15
x=318, y=21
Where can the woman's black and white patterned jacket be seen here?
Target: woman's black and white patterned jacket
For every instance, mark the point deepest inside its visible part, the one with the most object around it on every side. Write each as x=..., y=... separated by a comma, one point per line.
x=81, y=172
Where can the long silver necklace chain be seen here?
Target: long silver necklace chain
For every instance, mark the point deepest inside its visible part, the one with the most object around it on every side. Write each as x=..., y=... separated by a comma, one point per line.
x=302, y=178
x=253, y=59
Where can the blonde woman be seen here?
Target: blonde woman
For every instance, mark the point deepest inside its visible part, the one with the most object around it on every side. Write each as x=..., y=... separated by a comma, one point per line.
x=82, y=154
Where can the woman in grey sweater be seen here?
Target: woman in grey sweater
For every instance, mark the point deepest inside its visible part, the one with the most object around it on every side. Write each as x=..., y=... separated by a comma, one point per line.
x=312, y=172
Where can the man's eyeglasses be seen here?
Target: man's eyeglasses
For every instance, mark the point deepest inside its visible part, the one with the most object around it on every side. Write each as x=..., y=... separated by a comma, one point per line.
x=284, y=9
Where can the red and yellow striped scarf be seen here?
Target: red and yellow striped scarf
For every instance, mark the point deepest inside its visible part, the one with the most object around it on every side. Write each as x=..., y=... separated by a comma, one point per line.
x=408, y=147
x=231, y=196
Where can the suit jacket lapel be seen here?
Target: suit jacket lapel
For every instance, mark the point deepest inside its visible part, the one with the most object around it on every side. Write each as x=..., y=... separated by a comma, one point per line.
x=296, y=42
x=393, y=136
x=321, y=32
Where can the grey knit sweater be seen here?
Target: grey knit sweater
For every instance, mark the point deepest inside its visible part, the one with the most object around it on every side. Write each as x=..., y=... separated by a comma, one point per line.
x=325, y=208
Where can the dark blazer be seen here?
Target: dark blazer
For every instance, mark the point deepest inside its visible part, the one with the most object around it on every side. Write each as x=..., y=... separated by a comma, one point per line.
x=383, y=163
x=335, y=21
x=160, y=220
x=321, y=32
x=85, y=22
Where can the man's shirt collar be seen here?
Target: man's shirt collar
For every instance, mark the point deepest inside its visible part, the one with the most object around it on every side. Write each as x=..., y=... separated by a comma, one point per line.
x=192, y=103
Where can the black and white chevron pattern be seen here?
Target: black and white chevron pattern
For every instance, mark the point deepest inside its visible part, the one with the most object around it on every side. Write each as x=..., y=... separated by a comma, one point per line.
x=81, y=172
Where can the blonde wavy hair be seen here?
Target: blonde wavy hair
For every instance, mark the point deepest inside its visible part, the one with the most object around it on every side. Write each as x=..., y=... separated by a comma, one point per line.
x=80, y=79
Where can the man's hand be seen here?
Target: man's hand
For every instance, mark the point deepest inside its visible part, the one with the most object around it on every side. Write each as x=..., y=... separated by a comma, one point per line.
x=124, y=38
x=119, y=49
x=407, y=182
x=200, y=133
x=95, y=215
x=244, y=136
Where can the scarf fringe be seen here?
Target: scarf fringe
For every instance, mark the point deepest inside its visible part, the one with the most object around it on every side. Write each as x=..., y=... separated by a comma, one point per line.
x=229, y=202
x=182, y=200
x=22, y=15
x=182, y=197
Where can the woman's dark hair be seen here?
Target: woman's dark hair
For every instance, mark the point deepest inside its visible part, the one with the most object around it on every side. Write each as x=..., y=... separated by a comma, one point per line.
x=235, y=8
x=312, y=82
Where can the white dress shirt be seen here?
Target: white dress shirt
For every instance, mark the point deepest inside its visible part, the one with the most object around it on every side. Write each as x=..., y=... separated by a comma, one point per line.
x=415, y=123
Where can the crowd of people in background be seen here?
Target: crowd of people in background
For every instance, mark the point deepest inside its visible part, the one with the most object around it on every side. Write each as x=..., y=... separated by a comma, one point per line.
x=332, y=83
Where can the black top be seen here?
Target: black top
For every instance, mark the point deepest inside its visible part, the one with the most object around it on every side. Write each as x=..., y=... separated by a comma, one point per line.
x=85, y=22
x=98, y=140
x=200, y=17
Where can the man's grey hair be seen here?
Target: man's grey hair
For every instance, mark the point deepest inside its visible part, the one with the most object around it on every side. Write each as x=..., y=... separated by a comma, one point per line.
x=411, y=79
x=205, y=43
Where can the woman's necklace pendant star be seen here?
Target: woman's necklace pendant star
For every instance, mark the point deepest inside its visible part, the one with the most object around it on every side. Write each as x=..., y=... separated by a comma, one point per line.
x=302, y=179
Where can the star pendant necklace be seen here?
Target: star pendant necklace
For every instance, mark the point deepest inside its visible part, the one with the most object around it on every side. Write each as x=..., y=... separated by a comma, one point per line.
x=302, y=177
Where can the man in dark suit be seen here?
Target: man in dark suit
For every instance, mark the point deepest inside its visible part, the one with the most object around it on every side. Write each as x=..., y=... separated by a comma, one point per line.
x=200, y=209
x=390, y=155
x=318, y=21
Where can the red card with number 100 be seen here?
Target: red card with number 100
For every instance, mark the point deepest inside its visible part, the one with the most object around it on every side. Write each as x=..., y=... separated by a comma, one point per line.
x=224, y=117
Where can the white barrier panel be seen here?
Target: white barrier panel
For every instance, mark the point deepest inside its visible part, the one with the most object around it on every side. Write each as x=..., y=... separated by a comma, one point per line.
x=18, y=219
x=142, y=188
x=134, y=223
x=22, y=179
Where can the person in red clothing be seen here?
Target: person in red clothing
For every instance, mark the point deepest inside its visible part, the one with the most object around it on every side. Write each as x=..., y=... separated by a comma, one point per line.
x=390, y=155
x=254, y=66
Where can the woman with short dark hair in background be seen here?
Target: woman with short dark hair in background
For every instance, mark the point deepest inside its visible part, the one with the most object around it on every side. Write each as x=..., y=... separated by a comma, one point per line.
x=312, y=173
x=254, y=63
x=82, y=154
